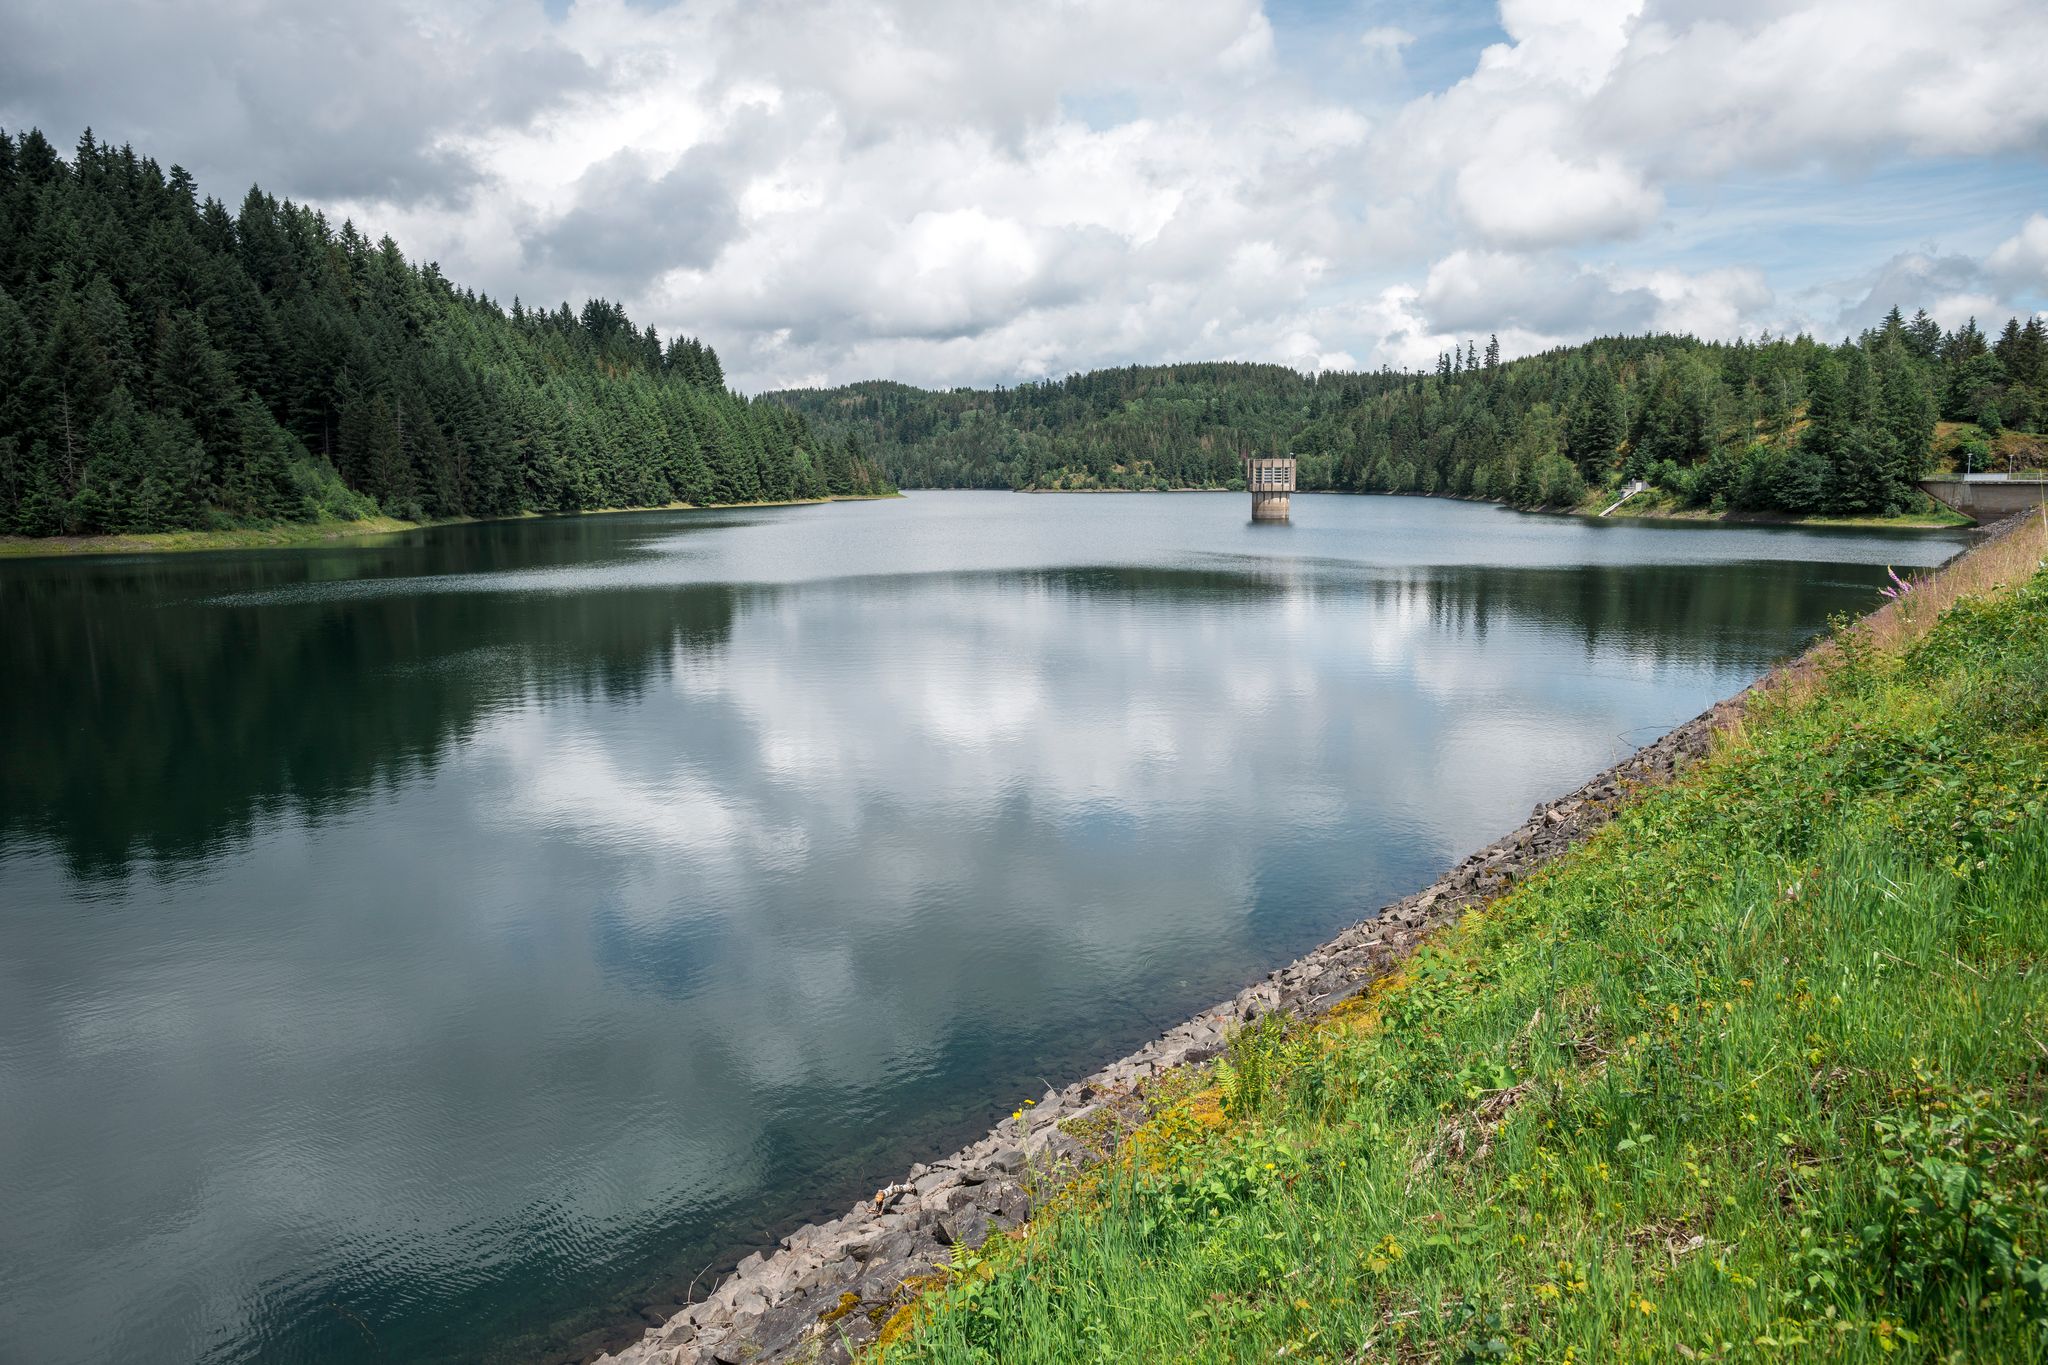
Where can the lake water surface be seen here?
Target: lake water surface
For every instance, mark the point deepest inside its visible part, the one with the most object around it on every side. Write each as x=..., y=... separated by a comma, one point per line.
x=435, y=949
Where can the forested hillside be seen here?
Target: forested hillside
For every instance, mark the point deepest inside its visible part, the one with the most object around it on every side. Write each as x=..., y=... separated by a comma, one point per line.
x=1164, y=426
x=1794, y=426
x=166, y=363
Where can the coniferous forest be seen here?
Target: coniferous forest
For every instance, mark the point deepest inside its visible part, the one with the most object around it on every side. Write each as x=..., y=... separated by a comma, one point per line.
x=167, y=363
x=1793, y=426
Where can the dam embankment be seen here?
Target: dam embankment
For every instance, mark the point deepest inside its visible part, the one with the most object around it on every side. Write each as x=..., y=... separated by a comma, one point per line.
x=829, y=1289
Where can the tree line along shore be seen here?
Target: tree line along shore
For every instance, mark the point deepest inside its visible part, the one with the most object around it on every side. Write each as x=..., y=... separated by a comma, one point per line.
x=1787, y=427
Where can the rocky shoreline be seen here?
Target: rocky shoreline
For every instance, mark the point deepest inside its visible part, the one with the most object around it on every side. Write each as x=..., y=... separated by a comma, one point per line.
x=827, y=1289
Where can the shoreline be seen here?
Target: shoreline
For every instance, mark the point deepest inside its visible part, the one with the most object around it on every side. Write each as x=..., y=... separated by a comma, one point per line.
x=793, y=1303
x=290, y=535
x=1931, y=522
x=828, y=1289
x=1038, y=491
x=1697, y=517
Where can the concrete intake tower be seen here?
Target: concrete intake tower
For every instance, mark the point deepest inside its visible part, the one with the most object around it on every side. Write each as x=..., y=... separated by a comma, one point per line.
x=1271, y=479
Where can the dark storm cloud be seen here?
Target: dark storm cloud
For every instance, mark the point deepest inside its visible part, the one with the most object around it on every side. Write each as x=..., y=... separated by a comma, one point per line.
x=628, y=227
x=309, y=100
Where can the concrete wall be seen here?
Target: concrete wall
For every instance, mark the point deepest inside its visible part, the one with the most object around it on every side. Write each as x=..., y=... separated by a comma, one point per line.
x=1985, y=499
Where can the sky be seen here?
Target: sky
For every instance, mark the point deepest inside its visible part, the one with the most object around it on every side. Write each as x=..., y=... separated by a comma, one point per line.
x=954, y=192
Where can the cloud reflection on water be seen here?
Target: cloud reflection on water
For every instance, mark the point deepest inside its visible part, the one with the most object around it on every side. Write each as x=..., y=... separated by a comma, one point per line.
x=471, y=959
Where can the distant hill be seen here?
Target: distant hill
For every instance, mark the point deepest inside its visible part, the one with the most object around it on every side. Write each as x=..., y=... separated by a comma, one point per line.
x=1792, y=426
x=166, y=363
x=1143, y=426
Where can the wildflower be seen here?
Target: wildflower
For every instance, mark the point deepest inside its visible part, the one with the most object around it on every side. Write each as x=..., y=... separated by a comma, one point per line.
x=1646, y=1308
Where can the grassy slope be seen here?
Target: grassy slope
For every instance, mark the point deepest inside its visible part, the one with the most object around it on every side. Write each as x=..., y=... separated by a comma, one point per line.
x=1655, y=502
x=244, y=538
x=1757, y=1073
x=290, y=533
x=2009, y=451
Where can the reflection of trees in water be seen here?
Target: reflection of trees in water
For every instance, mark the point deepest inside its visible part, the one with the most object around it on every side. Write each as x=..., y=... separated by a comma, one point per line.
x=1725, y=616
x=143, y=717
x=1730, y=616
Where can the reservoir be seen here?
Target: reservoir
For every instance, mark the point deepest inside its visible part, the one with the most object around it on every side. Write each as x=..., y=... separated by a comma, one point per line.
x=438, y=948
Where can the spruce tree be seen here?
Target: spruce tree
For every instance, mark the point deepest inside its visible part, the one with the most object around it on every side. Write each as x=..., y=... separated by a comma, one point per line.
x=1596, y=425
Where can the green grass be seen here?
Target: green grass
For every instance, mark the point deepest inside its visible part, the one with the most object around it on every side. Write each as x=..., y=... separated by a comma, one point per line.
x=2017, y=452
x=1663, y=505
x=286, y=534
x=1755, y=1074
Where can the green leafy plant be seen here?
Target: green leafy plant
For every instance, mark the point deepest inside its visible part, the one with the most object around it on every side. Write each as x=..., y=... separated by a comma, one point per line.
x=1246, y=1074
x=1962, y=1201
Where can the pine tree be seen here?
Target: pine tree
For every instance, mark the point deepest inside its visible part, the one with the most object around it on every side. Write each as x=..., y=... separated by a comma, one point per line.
x=74, y=378
x=1893, y=328
x=1923, y=336
x=1905, y=420
x=1964, y=344
x=1597, y=424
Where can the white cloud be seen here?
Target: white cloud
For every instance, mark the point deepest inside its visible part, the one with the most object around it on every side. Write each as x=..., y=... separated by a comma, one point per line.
x=1531, y=196
x=1385, y=42
x=1953, y=287
x=1534, y=301
x=1569, y=42
x=2019, y=264
x=1727, y=302
x=1845, y=82
x=953, y=192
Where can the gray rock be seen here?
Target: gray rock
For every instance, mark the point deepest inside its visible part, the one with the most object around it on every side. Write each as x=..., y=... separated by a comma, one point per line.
x=1050, y=1146
x=829, y=1273
x=933, y=1181
x=964, y=1227
x=881, y=1280
x=1012, y=1206
x=793, y=1321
